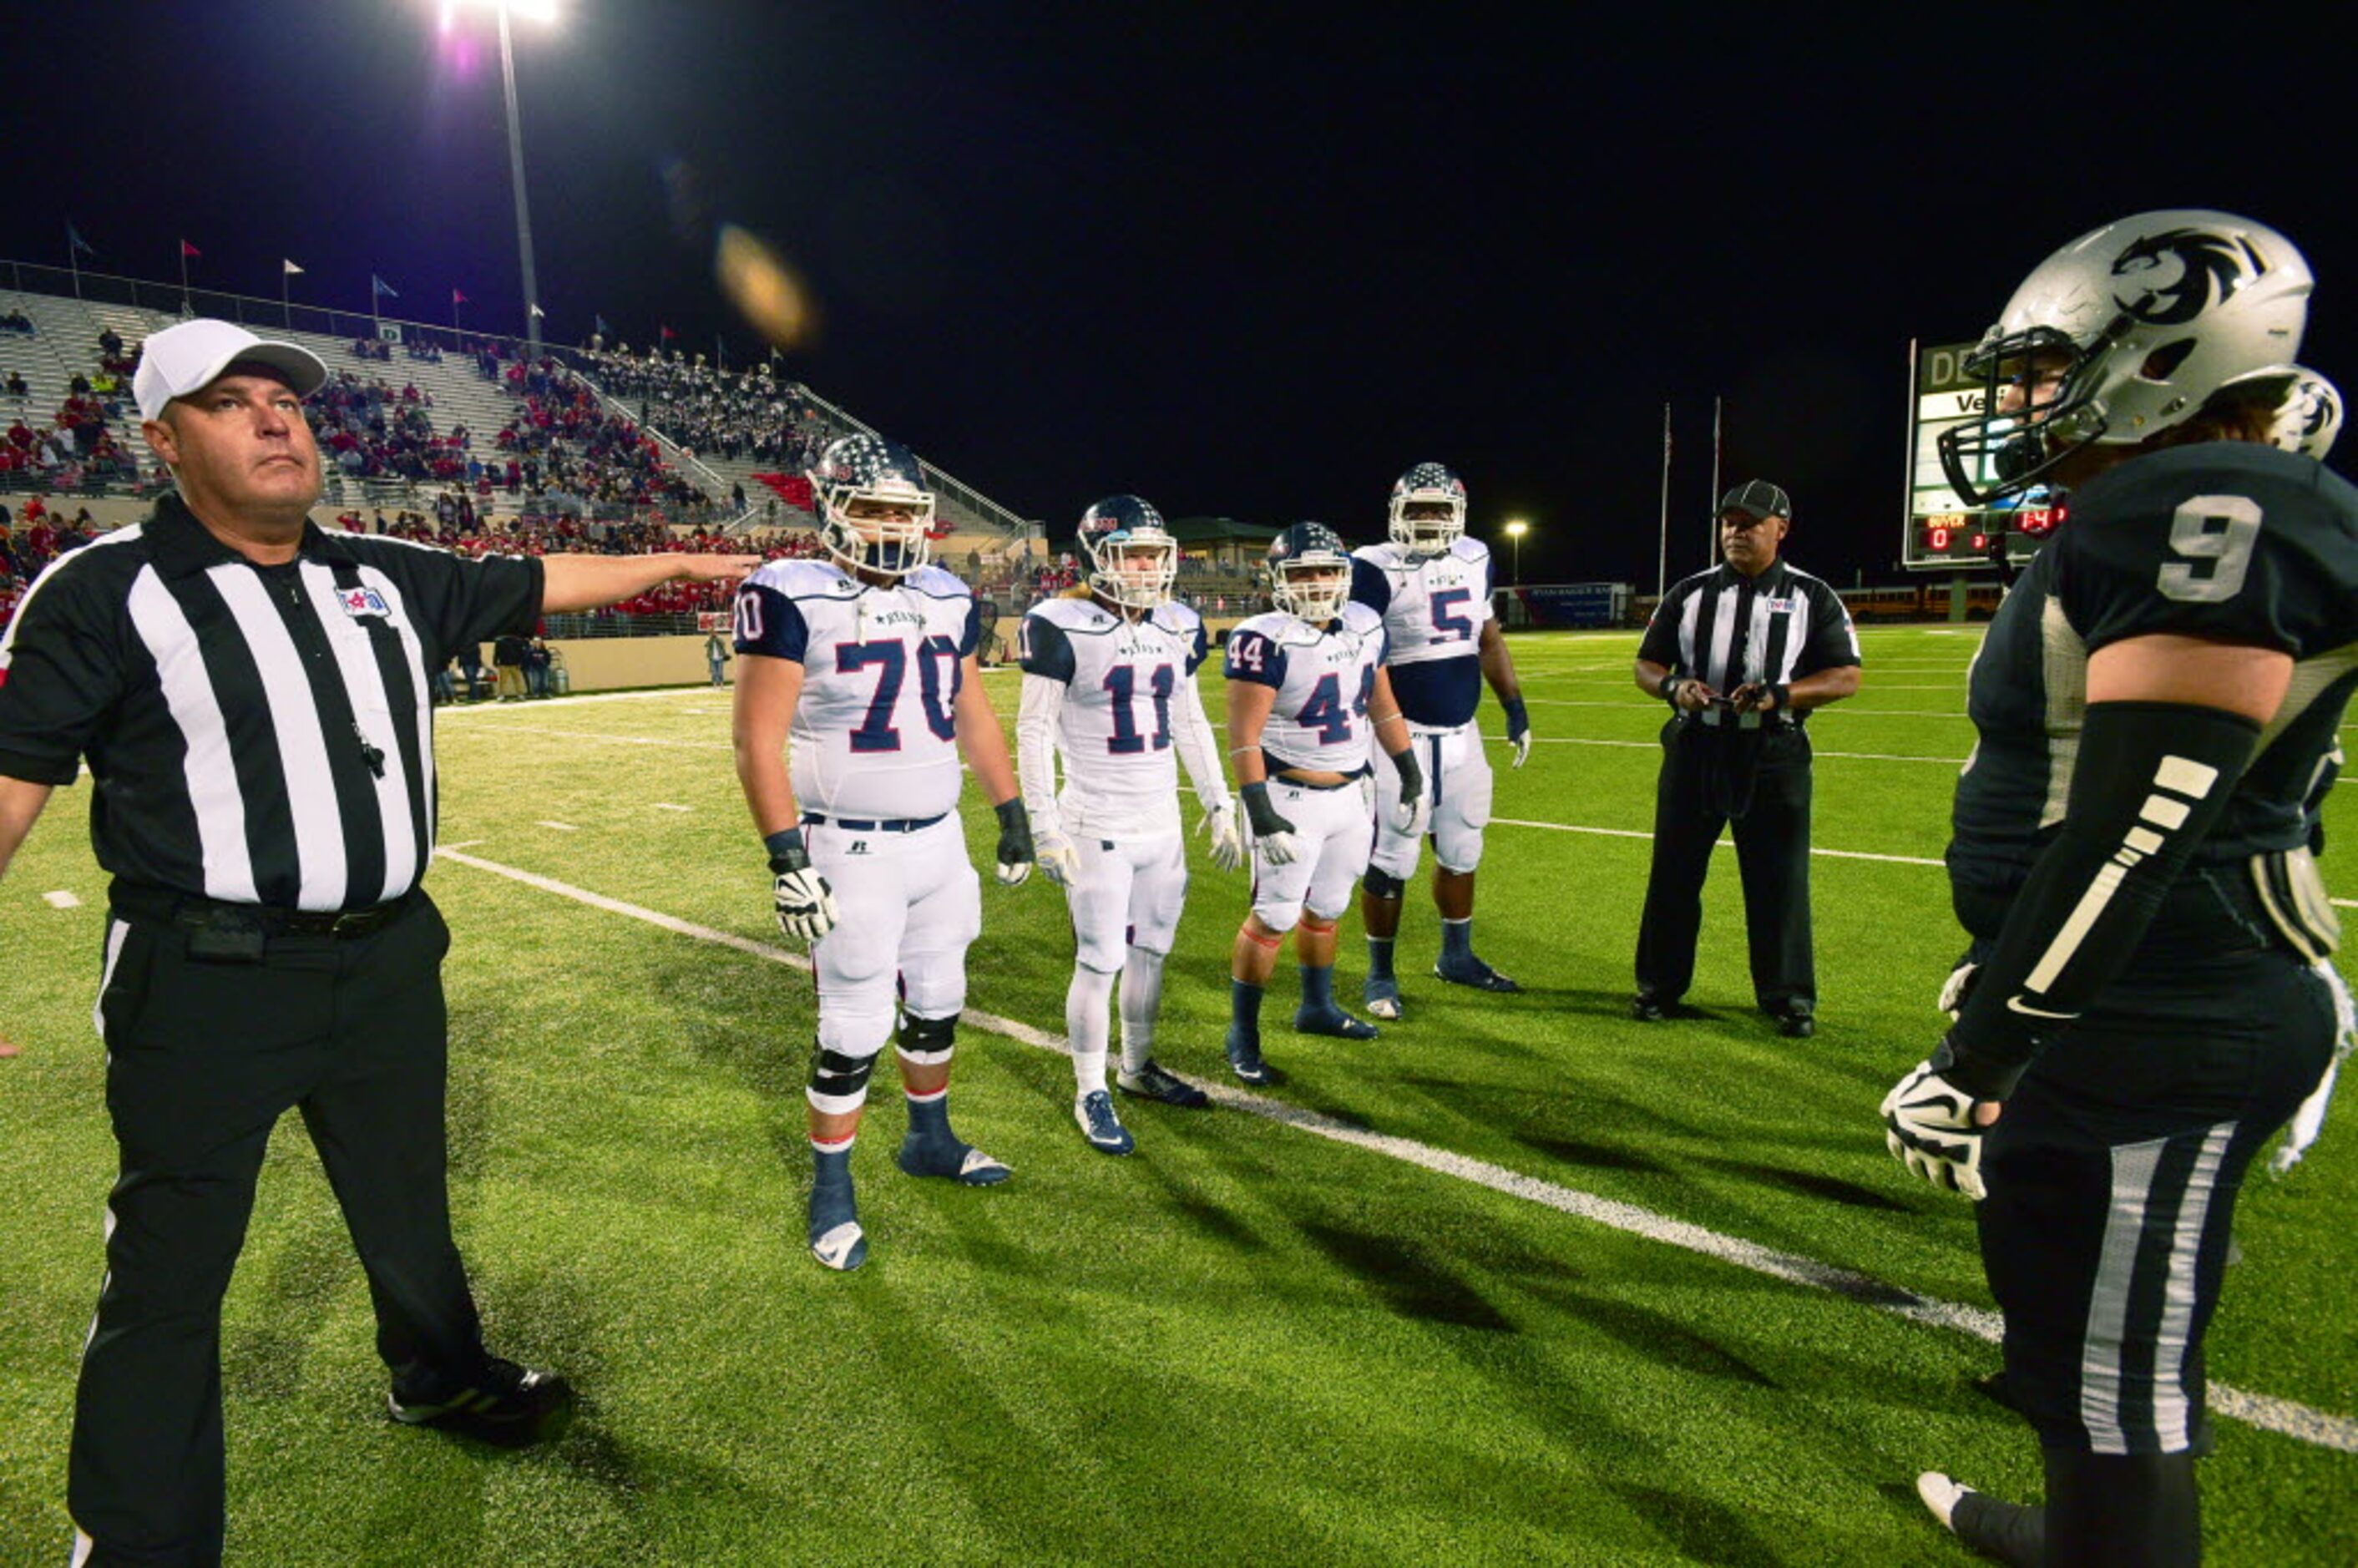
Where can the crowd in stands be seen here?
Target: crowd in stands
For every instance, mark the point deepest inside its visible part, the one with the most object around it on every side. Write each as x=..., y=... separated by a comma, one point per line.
x=18, y=322
x=748, y=414
x=31, y=537
x=372, y=348
x=73, y=449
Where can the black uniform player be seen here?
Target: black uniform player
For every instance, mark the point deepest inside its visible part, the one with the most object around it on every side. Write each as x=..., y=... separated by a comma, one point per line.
x=2155, y=701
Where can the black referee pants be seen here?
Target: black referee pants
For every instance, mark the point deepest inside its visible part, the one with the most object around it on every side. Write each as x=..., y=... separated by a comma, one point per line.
x=1759, y=779
x=202, y=1058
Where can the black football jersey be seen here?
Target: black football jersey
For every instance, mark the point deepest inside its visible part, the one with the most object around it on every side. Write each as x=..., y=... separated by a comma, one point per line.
x=2229, y=541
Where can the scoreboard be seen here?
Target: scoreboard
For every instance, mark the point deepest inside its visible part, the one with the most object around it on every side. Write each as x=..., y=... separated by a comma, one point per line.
x=1941, y=531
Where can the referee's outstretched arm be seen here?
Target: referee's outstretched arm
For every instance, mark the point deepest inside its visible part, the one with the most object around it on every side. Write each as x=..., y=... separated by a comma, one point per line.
x=588, y=582
x=20, y=803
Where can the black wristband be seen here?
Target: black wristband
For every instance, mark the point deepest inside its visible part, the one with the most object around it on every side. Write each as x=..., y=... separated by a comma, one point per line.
x=1012, y=816
x=1670, y=689
x=1412, y=776
x=787, y=851
x=1782, y=695
x=1519, y=717
x=1260, y=812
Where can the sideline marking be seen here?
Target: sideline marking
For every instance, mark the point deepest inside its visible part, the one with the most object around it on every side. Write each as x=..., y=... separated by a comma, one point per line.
x=2286, y=1417
x=667, y=806
x=562, y=826
x=60, y=900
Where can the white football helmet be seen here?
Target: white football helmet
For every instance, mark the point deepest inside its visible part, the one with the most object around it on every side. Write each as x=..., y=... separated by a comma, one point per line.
x=1426, y=489
x=2122, y=334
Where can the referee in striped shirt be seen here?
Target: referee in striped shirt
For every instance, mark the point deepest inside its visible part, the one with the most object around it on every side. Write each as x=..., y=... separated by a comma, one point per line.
x=1741, y=652
x=254, y=700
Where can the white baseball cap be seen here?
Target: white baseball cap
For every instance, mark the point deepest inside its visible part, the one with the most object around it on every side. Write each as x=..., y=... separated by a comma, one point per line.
x=191, y=356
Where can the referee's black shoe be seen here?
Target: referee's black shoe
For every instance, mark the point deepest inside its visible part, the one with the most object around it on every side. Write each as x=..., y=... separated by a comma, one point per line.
x=1645, y=1008
x=1796, y=1025
x=511, y=1406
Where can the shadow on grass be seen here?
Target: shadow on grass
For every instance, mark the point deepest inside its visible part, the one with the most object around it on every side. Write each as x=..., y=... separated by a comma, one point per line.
x=1595, y=1156
x=1405, y=1281
x=1811, y=1183
x=1703, y=1530
x=1656, y=1336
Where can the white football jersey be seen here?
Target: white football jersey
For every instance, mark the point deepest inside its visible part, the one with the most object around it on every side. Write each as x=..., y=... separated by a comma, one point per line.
x=1323, y=680
x=1434, y=607
x=874, y=736
x=1122, y=773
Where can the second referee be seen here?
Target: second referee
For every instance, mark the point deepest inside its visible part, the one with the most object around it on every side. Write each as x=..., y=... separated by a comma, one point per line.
x=1741, y=652
x=254, y=700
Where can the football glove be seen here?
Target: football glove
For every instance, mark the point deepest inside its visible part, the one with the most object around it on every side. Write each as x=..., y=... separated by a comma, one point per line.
x=1227, y=840
x=805, y=904
x=1273, y=838
x=1519, y=730
x=1958, y=989
x=1410, y=812
x=1059, y=863
x=1015, y=852
x=1929, y=1127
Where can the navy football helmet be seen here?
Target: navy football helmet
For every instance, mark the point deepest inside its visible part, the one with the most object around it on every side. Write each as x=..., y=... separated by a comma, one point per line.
x=1310, y=572
x=1133, y=559
x=1428, y=511
x=874, y=511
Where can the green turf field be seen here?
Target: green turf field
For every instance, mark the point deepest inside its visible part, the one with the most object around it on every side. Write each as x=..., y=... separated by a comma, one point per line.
x=1247, y=1343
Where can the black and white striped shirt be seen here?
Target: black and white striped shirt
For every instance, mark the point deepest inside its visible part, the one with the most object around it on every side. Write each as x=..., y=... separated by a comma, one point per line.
x=258, y=735
x=1726, y=629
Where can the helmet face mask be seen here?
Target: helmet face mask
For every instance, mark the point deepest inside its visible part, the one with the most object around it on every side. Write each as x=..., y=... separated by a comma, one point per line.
x=2121, y=335
x=1428, y=509
x=1133, y=561
x=1309, y=573
x=875, y=513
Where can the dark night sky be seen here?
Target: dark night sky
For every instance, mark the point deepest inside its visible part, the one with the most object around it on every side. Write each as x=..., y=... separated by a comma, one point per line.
x=1250, y=261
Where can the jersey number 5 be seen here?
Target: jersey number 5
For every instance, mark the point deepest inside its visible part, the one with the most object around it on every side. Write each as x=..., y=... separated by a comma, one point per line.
x=2227, y=546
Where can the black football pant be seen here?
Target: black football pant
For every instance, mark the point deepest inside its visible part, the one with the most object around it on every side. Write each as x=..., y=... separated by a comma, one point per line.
x=2113, y=1177
x=203, y=1056
x=1759, y=779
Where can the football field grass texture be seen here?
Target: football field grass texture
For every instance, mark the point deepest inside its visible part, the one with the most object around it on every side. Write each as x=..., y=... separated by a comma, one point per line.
x=1521, y=1282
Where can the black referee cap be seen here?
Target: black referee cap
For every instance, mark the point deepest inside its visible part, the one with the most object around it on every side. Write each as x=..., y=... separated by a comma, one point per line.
x=1757, y=498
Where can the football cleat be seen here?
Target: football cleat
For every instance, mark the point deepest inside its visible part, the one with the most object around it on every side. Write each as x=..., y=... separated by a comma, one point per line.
x=1382, y=996
x=1941, y=1494
x=1338, y=1025
x=835, y=1238
x=1244, y=1061
x=961, y=1162
x=1152, y=1082
x=1476, y=974
x=511, y=1406
x=1100, y=1126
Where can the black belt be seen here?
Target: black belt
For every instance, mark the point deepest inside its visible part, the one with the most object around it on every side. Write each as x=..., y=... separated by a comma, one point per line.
x=194, y=913
x=897, y=825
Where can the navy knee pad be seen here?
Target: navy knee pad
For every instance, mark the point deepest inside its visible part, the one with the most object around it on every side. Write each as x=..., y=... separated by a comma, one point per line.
x=928, y=1039
x=1382, y=883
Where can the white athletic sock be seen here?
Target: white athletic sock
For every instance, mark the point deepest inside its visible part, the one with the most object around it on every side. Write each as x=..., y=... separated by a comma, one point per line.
x=1086, y=1025
x=1142, y=998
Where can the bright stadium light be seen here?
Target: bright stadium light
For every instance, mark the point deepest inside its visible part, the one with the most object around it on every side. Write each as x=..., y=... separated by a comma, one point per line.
x=1515, y=532
x=544, y=11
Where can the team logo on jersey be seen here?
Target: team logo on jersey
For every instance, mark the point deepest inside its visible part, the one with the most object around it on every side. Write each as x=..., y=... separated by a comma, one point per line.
x=2208, y=268
x=364, y=602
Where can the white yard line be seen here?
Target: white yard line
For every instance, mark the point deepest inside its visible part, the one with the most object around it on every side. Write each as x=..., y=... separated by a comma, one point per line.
x=60, y=900
x=1635, y=706
x=562, y=826
x=619, y=740
x=1722, y=844
x=2286, y=1417
x=1656, y=745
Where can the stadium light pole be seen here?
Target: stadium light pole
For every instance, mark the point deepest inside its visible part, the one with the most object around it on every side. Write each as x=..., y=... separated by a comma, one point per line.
x=544, y=11
x=1515, y=532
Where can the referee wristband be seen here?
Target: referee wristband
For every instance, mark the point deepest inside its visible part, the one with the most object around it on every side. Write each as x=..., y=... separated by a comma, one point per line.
x=1669, y=691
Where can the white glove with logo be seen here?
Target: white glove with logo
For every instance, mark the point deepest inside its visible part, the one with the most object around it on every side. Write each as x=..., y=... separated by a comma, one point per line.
x=1228, y=838
x=1059, y=861
x=1929, y=1127
x=805, y=904
x=1273, y=838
